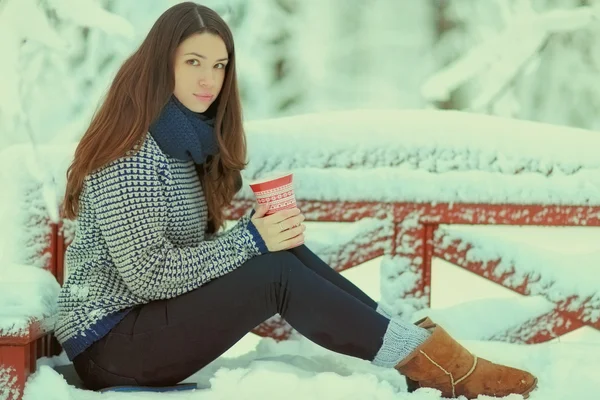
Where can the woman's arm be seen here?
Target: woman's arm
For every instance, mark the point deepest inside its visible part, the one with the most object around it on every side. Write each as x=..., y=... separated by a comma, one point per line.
x=131, y=211
x=240, y=224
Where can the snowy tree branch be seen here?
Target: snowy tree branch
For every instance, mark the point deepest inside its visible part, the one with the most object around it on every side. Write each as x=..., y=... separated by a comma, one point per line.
x=499, y=48
x=510, y=71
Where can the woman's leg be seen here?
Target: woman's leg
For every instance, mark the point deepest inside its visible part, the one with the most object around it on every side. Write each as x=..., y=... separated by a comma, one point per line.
x=312, y=261
x=163, y=342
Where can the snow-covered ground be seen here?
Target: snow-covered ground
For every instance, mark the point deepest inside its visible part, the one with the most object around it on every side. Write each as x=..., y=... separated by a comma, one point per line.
x=299, y=370
x=258, y=368
x=262, y=369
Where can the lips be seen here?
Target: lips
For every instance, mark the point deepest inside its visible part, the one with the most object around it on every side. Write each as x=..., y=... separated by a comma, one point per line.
x=203, y=97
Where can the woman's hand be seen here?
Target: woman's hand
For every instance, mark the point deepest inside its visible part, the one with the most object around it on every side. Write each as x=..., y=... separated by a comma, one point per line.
x=282, y=230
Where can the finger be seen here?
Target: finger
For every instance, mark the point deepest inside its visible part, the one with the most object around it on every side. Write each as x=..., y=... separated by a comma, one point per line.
x=261, y=210
x=293, y=242
x=292, y=222
x=282, y=215
x=299, y=220
x=291, y=233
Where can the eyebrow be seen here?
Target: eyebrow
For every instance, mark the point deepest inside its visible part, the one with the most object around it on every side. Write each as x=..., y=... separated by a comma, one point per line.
x=204, y=57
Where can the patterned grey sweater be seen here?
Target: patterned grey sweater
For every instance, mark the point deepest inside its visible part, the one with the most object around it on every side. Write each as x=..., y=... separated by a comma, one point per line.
x=140, y=236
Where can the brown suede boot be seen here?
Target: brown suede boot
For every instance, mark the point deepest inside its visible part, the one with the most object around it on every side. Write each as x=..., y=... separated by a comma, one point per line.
x=442, y=363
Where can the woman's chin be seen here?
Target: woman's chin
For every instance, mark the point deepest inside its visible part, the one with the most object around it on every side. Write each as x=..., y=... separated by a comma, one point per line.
x=198, y=108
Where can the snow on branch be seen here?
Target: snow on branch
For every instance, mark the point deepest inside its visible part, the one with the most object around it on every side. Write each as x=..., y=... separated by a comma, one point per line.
x=502, y=73
x=34, y=48
x=90, y=13
x=517, y=45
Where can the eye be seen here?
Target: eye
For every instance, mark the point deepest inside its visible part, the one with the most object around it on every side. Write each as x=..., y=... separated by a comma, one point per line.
x=193, y=62
x=220, y=66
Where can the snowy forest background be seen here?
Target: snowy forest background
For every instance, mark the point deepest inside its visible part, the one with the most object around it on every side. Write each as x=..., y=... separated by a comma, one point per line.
x=529, y=59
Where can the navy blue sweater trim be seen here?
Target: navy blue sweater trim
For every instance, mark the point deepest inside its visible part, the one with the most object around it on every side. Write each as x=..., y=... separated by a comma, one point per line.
x=260, y=243
x=77, y=344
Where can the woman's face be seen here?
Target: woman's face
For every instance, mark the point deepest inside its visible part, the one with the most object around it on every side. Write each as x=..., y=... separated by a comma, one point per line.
x=200, y=62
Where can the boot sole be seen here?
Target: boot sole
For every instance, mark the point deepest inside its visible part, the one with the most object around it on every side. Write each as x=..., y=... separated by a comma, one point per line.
x=412, y=386
x=531, y=389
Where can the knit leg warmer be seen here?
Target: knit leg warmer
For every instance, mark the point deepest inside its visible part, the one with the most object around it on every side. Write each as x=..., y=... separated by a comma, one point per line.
x=381, y=309
x=400, y=339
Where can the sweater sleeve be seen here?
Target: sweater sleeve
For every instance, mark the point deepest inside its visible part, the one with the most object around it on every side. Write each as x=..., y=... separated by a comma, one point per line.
x=131, y=211
x=243, y=223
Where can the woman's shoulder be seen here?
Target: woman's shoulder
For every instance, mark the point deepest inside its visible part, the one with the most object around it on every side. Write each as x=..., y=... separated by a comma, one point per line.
x=147, y=150
x=146, y=157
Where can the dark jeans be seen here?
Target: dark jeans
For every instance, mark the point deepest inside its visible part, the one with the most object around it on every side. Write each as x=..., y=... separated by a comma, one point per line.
x=163, y=342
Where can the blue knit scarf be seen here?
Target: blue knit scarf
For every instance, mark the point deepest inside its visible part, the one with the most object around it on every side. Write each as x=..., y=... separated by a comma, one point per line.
x=184, y=134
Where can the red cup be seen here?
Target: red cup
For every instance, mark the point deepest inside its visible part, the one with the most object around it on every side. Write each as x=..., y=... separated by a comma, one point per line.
x=277, y=191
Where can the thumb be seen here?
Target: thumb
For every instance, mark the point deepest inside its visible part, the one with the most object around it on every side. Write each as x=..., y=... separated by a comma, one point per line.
x=261, y=210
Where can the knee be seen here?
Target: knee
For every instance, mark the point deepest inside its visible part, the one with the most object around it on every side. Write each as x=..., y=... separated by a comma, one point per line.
x=278, y=265
x=280, y=259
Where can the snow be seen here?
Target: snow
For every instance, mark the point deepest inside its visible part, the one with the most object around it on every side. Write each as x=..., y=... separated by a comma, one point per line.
x=7, y=384
x=298, y=369
x=26, y=293
x=337, y=243
x=426, y=155
x=555, y=270
x=506, y=313
x=303, y=72
x=90, y=13
x=33, y=180
x=528, y=59
x=505, y=54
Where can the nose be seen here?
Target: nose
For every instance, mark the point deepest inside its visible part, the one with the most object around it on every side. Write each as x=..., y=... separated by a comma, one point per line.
x=206, y=78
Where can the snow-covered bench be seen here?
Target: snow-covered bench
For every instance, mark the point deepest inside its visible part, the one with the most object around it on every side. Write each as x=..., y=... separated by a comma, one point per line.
x=392, y=178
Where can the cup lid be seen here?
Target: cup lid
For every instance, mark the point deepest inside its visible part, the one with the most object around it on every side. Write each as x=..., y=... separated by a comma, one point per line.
x=270, y=177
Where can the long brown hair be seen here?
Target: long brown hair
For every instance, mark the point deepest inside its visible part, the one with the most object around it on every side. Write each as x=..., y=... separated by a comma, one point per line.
x=141, y=88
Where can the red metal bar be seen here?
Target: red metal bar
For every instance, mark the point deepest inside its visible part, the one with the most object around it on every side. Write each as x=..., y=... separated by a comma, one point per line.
x=61, y=247
x=505, y=214
x=443, y=213
x=50, y=249
x=572, y=308
x=411, y=246
x=275, y=327
x=428, y=251
x=16, y=362
x=18, y=355
x=331, y=211
x=35, y=331
x=541, y=329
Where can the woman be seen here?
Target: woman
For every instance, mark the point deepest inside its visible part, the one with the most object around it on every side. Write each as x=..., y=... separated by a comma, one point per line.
x=156, y=292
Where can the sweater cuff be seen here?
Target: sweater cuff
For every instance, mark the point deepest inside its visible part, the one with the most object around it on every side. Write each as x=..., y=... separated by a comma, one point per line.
x=258, y=240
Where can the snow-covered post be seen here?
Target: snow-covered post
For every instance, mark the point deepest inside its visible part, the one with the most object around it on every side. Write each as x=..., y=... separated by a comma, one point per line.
x=406, y=274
